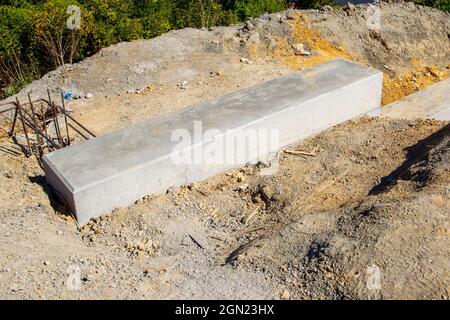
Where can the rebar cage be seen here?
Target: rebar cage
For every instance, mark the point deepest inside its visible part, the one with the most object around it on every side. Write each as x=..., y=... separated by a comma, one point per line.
x=46, y=126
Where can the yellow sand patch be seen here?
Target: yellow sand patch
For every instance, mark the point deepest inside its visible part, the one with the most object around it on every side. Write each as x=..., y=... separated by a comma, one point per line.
x=322, y=49
x=394, y=88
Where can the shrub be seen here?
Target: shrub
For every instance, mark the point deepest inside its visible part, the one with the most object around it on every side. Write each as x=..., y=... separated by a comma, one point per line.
x=443, y=5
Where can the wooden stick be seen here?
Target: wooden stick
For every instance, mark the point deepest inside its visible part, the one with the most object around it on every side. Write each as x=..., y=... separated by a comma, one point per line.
x=250, y=216
x=30, y=151
x=300, y=153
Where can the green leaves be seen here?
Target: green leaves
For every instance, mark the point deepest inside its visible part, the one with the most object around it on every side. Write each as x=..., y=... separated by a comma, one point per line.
x=16, y=29
x=443, y=5
x=253, y=8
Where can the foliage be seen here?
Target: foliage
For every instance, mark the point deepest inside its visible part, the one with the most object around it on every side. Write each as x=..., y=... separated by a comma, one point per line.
x=443, y=5
x=253, y=8
x=55, y=40
x=17, y=46
x=316, y=4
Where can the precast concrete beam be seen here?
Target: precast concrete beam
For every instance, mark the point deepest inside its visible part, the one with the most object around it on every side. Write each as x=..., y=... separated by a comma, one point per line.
x=116, y=169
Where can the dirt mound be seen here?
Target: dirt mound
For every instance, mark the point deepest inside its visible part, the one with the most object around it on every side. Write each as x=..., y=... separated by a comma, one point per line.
x=411, y=47
x=309, y=228
x=329, y=254
x=142, y=79
x=367, y=196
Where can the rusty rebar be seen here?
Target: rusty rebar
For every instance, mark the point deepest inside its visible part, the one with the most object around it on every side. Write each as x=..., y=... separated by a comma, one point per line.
x=34, y=119
x=30, y=151
x=38, y=119
x=30, y=124
x=44, y=124
x=42, y=135
x=13, y=125
x=55, y=118
x=78, y=123
x=78, y=131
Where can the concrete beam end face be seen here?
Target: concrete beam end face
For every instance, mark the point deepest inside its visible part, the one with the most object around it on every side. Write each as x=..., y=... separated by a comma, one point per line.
x=116, y=169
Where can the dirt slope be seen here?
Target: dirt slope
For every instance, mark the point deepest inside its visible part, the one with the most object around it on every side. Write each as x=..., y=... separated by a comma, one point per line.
x=370, y=193
x=401, y=226
x=142, y=79
x=312, y=229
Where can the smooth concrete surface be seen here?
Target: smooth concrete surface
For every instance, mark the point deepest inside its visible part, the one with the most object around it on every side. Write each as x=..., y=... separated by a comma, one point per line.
x=116, y=169
x=431, y=102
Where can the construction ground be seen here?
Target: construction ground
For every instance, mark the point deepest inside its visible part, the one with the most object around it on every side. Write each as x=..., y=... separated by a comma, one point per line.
x=370, y=193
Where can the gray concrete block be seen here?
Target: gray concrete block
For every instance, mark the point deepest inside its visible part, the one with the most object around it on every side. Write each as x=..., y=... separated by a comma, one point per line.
x=116, y=169
x=431, y=102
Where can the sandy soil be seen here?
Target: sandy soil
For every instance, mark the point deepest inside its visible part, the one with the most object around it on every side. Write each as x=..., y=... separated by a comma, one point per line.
x=142, y=79
x=373, y=193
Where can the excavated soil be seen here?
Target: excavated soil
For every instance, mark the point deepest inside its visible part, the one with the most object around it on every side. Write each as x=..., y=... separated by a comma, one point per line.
x=369, y=194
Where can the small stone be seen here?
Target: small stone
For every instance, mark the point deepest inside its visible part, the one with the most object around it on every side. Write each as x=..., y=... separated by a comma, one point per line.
x=149, y=271
x=249, y=25
x=271, y=169
x=89, y=96
x=215, y=74
x=46, y=263
x=59, y=232
x=262, y=164
x=327, y=8
x=285, y=295
x=349, y=7
x=243, y=187
x=9, y=175
x=240, y=177
x=267, y=193
x=299, y=50
x=45, y=207
x=183, y=85
x=246, y=61
x=290, y=15
x=435, y=72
